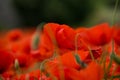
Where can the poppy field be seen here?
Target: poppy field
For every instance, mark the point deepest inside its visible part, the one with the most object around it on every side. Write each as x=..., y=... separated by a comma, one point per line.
x=59, y=52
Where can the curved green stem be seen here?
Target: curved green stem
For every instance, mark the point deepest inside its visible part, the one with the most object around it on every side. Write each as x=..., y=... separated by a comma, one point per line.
x=76, y=47
x=114, y=12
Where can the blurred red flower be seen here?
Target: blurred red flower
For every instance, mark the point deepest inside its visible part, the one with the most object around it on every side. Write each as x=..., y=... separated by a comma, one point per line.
x=6, y=60
x=97, y=35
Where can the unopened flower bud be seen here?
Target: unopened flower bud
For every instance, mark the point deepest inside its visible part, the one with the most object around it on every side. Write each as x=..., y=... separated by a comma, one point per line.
x=36, y=37
x=16, y=64
x=35, y=41
x=81, y=63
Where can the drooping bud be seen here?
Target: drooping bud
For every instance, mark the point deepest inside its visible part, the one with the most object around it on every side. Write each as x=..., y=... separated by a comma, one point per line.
x=81, y=63
x=16, y=64
x=77, y=58
x=35, y=41
x=36, y=37
x=42, y=66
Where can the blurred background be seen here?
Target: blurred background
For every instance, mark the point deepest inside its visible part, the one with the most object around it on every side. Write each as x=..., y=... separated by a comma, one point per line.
x=29, y=13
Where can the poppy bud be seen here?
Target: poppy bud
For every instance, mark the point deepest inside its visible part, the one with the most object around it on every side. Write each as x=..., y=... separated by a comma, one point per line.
x=16, y=64
x=42, y=66
x=35, y=41
x=81, y=63
x=36, y=37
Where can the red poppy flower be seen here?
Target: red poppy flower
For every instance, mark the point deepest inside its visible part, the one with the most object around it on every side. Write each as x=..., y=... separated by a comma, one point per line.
x=33, y=75
x=65, y=37
x=27, y=45
x=6, y=60
x=14, y=35
x=116, y=35
x=117, y=72
x=54, y=70
x=98, y=35
x=62, y=34
x=45, y=49
x=41, y=54
x=80, y=29
x=8, y=74
x=68, y=59
x=92, y=72
x=24, y=60
x=22, y=46
x=46, y=43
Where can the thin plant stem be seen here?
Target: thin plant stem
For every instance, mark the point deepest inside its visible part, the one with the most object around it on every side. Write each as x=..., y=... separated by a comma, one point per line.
x=91, y=53
x=114, y=12
x=113, y=22
x=111, y=78
x=62, y=77
x=76, y=47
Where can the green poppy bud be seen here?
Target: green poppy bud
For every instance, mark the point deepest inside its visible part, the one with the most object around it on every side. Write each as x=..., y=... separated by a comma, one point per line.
x=16, y=64
x=81, y=63
x=35, y=41
x=36, y=37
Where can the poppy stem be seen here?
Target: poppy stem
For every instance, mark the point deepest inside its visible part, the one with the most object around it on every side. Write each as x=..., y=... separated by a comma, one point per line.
x=111, y=78
x=103, y=61
x=112, y=55
x=103, y=57
x=46, y=60
x=114, y=12
x=111, y=60
x=52, y=37
x=43, y=69
x=76, y=46
x=62, y=77
x=42, y=65
x=77, y=57
x=91, y=54
x=117, y=76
